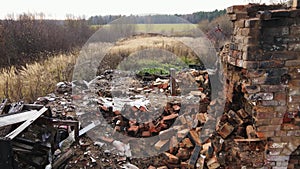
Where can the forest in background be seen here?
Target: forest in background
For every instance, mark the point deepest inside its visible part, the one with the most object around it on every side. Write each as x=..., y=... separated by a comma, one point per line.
x=29, y=37
x=194, y=18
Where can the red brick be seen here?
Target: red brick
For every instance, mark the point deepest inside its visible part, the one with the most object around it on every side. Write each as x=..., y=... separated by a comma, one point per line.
x=225, y=130
x=171, y=158
x=272, y=88
x=274, y=127
x=291, y=133
x=240, y=23
x=269, y=133
x=255, y=73
x=276, y=121
x=263, y=115
x=146, y=134
x=280, y=133
x=295, y=83
x=236, y=9
x=186, y=143
x=276, y=139
x=294, y=90
x=260, y=122
x=269, y=103
x=287, y=138
x=271, y=64
x=295, y=98
x=259, y=80
x=252, y=89
x=263, y=109
x=255, y=22
x=133, y=129
x=283, y=55
x=262, y=128
x=291, y=166
x=292, y=63
x=250, y=64
x=160, y=144
x=170, y=117
x=280, y=109
x=290, y=127
x=280, y=96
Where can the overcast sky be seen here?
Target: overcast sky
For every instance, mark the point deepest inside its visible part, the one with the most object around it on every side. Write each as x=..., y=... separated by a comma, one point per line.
x=59, y=8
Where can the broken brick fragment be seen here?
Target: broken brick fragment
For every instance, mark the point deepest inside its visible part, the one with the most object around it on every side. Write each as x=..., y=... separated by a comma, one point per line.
x=183, y=154
x=213, y=163
x=225, y=130
x=170, y=117
x=176, y=107
x=171, y=158
x=161, y=144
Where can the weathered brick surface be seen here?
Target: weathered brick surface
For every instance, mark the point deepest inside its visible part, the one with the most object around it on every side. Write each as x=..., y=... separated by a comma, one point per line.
x=266, y=43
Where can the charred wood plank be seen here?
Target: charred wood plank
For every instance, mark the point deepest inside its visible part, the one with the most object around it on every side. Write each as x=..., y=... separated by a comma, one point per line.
x=194, y=157
x=63, y=158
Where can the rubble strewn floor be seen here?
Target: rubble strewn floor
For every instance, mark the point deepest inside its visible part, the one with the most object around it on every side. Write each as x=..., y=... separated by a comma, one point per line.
x=136, y=123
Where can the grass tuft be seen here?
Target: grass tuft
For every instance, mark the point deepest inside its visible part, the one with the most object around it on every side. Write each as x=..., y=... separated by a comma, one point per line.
x=37, y=79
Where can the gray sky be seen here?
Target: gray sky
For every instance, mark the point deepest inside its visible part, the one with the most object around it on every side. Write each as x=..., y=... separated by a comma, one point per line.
x=59, y=8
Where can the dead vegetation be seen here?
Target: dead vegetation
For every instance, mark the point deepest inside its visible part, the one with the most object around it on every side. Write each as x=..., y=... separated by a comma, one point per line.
x=37, y=79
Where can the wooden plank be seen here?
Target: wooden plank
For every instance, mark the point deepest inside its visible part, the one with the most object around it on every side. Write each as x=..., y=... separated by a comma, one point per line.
x=10, y=119
x=195, y=137
x=248, y=139
x=87, y=128
x=201, y=161
x=194, y=157
x=172, y=81
x=63, y=158
x=23, y=126
x=33, y=106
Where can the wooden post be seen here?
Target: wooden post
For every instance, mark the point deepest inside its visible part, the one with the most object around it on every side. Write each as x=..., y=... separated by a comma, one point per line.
x=172, y=82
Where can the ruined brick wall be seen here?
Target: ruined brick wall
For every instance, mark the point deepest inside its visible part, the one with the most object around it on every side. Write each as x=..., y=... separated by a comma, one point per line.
x=263, y=63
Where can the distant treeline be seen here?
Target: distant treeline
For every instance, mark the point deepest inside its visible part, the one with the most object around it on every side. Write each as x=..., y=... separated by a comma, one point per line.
x=200, y=16
x=28, y=39
x=160, y=19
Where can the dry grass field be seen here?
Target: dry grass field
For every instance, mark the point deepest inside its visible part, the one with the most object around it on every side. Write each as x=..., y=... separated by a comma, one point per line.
x=37, y=79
